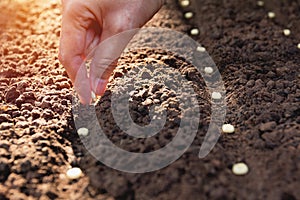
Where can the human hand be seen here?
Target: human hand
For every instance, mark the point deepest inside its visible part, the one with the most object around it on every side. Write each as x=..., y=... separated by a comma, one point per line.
x=88, y=23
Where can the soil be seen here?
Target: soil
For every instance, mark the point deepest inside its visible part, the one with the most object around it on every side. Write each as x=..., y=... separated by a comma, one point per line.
x=260, y=69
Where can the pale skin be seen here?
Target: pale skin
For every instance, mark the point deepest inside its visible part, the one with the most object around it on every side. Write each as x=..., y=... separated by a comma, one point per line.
x=88, y=23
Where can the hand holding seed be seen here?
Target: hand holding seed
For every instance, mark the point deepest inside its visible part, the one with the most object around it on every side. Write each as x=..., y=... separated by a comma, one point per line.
x=86, y=24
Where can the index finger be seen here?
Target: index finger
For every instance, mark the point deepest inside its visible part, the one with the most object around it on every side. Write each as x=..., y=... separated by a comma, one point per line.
x=71, y=52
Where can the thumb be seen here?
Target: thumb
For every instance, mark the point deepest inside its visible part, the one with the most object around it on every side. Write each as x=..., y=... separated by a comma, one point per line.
x=105, y=58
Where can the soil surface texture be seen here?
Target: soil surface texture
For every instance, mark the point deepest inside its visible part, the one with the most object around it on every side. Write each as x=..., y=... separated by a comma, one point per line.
x=260, y=68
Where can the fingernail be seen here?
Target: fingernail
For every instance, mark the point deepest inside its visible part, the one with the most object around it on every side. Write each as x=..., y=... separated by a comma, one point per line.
x=100, y=86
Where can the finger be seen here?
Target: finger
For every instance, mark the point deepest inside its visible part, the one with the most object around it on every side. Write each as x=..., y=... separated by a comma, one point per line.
x=72, y=47
x=105, y=58
x=93, y=34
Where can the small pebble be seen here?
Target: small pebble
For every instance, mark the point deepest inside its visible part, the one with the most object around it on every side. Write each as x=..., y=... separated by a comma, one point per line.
x=216, y=95
x=298, y=46
x=271, y=15
x=188, y=15
x=201, y=49
x=260, y=3
x=83, y=131
x=228, y=128
x=195, y=31
x=208, y=70
x=74, y=173
x=286, y=32
x=184, y=3
x=147, y=102
x=240, y=169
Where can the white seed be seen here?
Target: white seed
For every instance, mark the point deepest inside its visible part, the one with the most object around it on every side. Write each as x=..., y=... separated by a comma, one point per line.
x=195, y=31
x=184, y=3
x=208, y=70
x=271, y=15
x=201, y=49
x=228, y=128
x=298, y=46
x=286, y=32
x=93, y=95
x=260, y=3
x=188, y=15
x=216, y=95
x=74, y=173
x=83, y=131
x=240, y=169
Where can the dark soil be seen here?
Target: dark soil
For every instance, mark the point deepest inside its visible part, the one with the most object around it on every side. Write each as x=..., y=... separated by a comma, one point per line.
x=260, y=69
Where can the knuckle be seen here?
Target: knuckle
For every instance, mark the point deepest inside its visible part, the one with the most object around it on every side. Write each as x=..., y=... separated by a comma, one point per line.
x=123, y=23
x=121, y=27
x=71, y=7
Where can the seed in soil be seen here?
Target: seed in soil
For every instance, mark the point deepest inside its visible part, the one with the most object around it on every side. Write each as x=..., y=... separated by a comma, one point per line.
x=260, y=3
x=74, y=173
x=216, y=95
x=286, y=32
x=298, y=46
x=208, y=70
x=195, y=31
x=271, y=15
x=240, y=169
x=228, y=128
x=188, y=15
x=201, y=49
x=83, y=131
x=184, y=3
